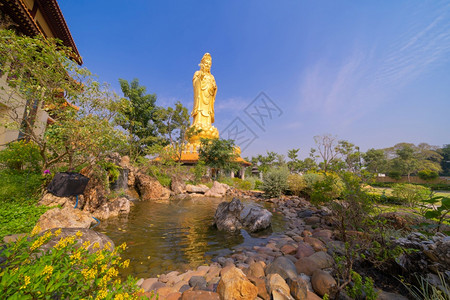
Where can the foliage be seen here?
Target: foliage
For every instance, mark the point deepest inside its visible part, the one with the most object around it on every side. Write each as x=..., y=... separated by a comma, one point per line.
x=375, y=160
x=218, y=154
x=427, y=291
x=327, y=149
x=112, y=170
x=311, y=178
x=445, y=162
x=395, y=175
x=199, y=170
x=270, y=160
x=296, y=183
x=138, y=116
x=19, y=186
x=21, y=156
x=360, y=288
x=67, y=271
x=328, y=189
x=428, y=174
x=410, y=194
x=431, y=211
x=275, y=182
x=242, y=184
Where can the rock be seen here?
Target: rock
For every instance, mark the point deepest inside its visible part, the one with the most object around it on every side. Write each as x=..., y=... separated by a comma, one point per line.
x=199, y=189
x=395, y=220
x=174, y=296
x=260, y=283
x=257, y=219
x=288, y=249
x=315, y=243
x=164, y=291
x=298, y=288
x=306, y=266
x=282, y=266
x=304, y=250
x=324, y=234
x=66, y=217
x=177, y=186
x=95, y=238
x=312, y=220
x=322, y=259
x=217, y=190
x=198, y=282
x=147, y=284
x=113, y=208
x=382, y=295
x=14, y=237
x=256, y=269
x=51, y=200
x=322, y=282
x=201, y=295
x=277, y=287
x=234, y=285
x=227, y=215
x=95, y=193
x=312, y=296
x=149, y=188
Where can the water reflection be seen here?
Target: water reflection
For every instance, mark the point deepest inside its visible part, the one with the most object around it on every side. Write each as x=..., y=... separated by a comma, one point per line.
x=175, y=235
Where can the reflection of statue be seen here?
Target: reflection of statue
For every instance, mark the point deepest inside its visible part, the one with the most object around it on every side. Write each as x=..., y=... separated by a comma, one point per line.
x=205, y=90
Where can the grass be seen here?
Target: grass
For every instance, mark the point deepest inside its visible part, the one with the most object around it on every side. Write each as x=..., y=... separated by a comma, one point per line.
x=19, y=194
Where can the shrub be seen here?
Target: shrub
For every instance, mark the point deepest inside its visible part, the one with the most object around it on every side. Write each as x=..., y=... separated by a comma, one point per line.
x=65, y=272
x=427, y=174
x=199, y=170
x=410, y=194
x=311, y=179
x=275, y=182
x=242, y=184
x=258, y=184
x=328, y=189
x=296, y=183
x=21, y=155
x=395, y=175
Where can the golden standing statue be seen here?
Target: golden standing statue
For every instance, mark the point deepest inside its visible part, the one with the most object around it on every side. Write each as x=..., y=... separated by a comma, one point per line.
x=205, y=90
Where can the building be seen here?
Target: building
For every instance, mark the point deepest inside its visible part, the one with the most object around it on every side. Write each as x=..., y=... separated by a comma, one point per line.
x=31, y=18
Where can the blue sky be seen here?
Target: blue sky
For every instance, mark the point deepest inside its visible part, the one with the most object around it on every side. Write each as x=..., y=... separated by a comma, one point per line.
x=374, y=73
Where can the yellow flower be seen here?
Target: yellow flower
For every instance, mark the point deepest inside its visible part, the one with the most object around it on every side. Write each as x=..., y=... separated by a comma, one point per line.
x=35, y=230
x=27, y=282
x=123, y=246
x=125, y=264
x=107, y=246
x=58, y=232
x=86, y=244
x=96, y=245
x=76, y=256
x=48, y=270
x=102, y=294
x=100, y=256
x=79, y=234
x=112, y=272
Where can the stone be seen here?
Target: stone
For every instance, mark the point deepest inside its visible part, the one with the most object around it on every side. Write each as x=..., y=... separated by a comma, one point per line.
x=234, y=284
x=147, y=284
x=312, y=296
x=282, y=266
x=174, y=296
x=201, y=295
x=322, y=259
x=157, y=285
x=177, y=185
x=164, y=291
x=198, y=189
x=317, y=244
x=149, y=187
x=322, y=282
x=260, y=283
x=324, y=234
x=306, y=266
x=312, y=220
x=113, y=208
x=51, y=200
x=13, y=237
x=298, y=288
x=304, y=250
x=227, y=215
x=256, y=269
x=277, y=287
x=217, y=190
x=382, y=295
x=84, y=235
x=198, y=282
x=257, y=219
x=288, y=249
x=67, y=217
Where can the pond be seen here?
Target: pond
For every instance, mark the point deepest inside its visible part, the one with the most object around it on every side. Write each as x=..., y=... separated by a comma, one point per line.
x=169, y=235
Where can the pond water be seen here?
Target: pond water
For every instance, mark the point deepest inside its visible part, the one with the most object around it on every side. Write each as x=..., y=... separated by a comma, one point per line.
x=169, y=235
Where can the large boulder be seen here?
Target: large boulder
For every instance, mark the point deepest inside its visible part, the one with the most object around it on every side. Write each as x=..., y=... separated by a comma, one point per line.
x=113, y=208
x=177, y=186
x=322, y=282
x=98, y=241
x=257, y=219
x=67, y=217
x=277, y=287
x=217, y=190
x=198, y=189
x=234, y=284
x=283, y=267
x=51, y=200
x=227, y=216
x=149, y=188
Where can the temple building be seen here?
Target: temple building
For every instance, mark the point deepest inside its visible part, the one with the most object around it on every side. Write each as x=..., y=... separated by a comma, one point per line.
x=31, y=18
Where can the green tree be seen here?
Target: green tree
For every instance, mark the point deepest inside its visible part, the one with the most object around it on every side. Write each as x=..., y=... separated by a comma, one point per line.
x=445, y=163
x=375, y=160
x=219, y=154
x=138, y=116
x=294, y=164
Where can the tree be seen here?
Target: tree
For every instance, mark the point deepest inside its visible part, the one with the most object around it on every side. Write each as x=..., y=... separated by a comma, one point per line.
x=40, y=72
x=218, y=154
x=375, y=160
x=445, y=163
x=328, y=150
x=350, y=156
x=138, y=116
x=294, y=163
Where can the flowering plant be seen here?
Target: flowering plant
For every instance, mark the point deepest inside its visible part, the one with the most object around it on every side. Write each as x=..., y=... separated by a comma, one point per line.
x=66, y=271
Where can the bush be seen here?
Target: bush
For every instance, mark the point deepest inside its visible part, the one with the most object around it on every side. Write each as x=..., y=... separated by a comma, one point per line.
x=258, y=184
x=410, y=194
x=428, y=175
x=296, y=183
x=311, y=179
x=19, y=187
x=242, y=184
x=20, y=156
x=65, y=272
x=199, y=170
x=328, y=189
x=395, y=175
x=275, y=182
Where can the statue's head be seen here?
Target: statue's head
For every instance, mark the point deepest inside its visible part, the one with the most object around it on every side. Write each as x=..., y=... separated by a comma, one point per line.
x=205, y=64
